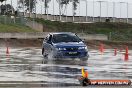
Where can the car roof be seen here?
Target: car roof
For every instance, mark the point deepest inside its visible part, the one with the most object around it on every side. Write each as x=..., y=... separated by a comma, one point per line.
x=61, y=33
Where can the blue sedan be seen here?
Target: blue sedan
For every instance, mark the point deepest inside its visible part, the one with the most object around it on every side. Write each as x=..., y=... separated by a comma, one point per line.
x=64, y=45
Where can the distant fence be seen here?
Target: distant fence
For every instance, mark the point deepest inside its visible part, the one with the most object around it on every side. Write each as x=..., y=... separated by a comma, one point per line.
x=77, y=19
x=41, y=35
x=12, y=20
x=80, y=19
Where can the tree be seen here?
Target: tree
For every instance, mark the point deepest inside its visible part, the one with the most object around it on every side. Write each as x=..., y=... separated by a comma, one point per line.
x=63, y=3
x=75, y=5
x=46, y=2
x=1, y=2
x=66, y=2
x=29, y=4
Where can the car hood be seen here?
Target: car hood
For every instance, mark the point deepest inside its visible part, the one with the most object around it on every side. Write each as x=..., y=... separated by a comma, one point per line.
x=69, y=44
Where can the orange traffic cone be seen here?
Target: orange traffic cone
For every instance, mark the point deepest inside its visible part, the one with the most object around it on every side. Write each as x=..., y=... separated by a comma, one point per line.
x=84, y=73
x=84, y=80
x=101, y=48
x=7, y=51
x=126, y=54
x=115, y=51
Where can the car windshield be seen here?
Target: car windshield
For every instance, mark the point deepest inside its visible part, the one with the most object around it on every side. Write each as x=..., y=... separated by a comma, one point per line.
x=65, y=38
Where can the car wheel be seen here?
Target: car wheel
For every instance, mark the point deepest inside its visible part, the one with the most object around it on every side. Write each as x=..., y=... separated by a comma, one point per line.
x=44, y=54
x=42, y=51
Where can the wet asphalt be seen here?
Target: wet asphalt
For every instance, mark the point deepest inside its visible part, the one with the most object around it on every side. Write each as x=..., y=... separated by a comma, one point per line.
x=26, y=68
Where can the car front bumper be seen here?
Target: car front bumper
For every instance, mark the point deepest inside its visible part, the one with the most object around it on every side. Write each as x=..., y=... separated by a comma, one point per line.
x=71, y=54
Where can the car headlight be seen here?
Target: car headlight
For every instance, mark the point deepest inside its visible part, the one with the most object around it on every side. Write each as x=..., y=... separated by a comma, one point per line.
x=61, y=48
x=83, y=48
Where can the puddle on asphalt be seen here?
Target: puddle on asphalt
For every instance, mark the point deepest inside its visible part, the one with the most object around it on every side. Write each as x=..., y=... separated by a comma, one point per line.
x=28, y=65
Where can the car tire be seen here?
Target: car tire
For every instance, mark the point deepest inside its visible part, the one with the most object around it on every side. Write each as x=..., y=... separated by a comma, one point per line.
x=42, y=51
x=44, y=54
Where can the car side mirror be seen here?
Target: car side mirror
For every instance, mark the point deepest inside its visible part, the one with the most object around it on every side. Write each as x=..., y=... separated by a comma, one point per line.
x=45, y=39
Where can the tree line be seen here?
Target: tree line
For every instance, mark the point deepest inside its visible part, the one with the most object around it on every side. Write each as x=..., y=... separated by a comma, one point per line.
x=30, y=4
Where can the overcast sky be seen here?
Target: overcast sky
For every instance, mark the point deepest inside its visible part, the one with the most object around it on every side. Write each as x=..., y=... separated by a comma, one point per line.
x=106, y=8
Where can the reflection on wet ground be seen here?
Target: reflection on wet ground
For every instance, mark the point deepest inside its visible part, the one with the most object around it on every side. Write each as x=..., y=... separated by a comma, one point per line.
x=27, y=66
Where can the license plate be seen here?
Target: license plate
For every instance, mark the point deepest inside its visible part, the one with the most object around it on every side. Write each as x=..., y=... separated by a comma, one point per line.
x=72, y=52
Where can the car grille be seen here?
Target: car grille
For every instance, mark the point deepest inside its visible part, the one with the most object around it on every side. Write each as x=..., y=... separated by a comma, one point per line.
x=72, y=49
